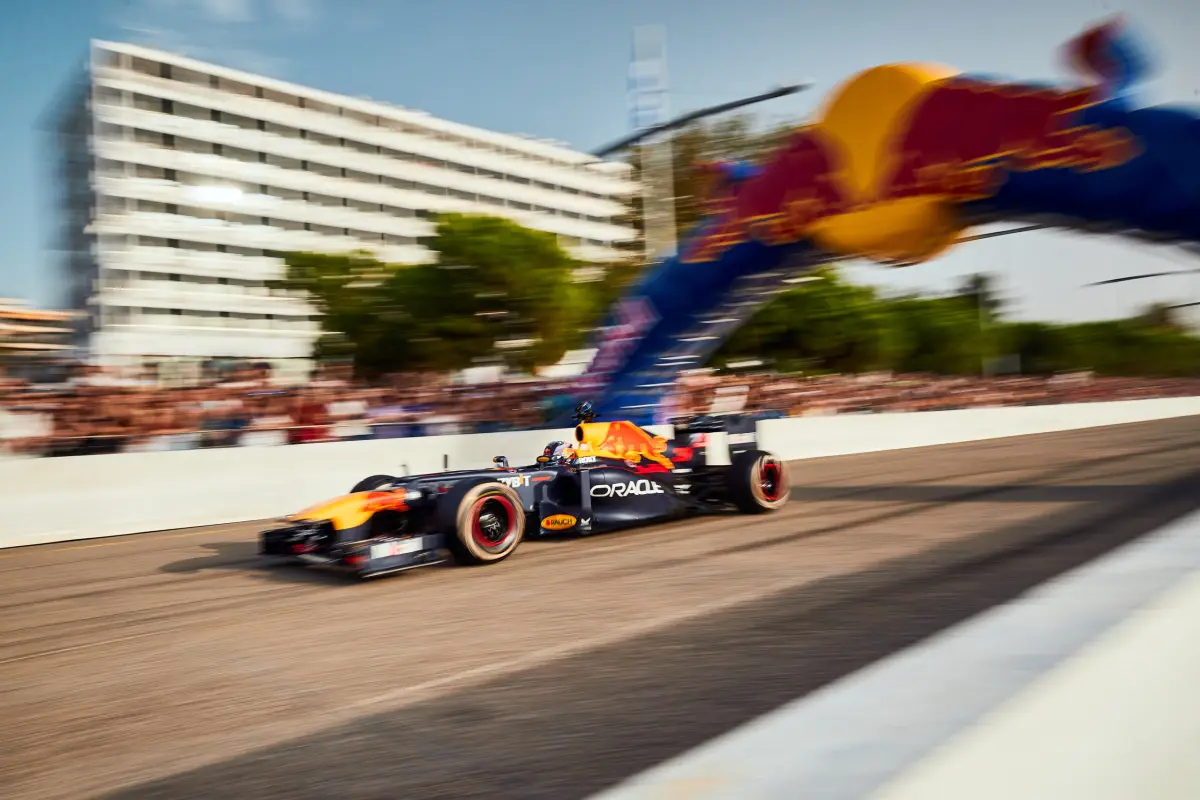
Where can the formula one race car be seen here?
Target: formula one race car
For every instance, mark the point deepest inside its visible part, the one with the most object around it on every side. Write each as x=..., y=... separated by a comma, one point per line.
x=614, y=475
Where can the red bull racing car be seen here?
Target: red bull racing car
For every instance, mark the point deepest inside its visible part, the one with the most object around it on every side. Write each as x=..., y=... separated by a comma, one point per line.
x=614, y=475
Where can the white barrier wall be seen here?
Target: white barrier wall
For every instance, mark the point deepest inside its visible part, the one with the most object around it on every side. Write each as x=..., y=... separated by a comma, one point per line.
x=817, y=437
x=81, y=497
x=58, y=499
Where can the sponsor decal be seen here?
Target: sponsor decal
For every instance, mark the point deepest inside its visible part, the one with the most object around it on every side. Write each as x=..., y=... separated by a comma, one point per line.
x=585, y=524
x=587, y=460
x=559, y=522
x=638, y=488
x=939, y=142
x=741, y=438
x=683, y=454
x=390, y=549
x=386, y=501
x=515, y=480
x=629, y=443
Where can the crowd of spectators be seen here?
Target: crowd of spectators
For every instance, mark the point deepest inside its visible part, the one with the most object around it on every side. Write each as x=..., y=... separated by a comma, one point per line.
x=101, y=412
x=98, y=412
x=774, y=395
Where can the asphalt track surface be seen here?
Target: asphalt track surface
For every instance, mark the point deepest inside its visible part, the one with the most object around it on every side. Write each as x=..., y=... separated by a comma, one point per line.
x=174, y=665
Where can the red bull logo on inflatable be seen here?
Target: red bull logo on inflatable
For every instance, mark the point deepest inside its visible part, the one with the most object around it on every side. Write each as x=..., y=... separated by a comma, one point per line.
x=894, y=151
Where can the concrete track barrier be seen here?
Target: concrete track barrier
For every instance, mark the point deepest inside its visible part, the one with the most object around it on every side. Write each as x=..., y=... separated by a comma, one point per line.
x=64, y=499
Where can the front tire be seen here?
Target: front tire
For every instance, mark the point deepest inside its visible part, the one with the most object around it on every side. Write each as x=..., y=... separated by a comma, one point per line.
x=372, y=483
x=489, y=523
x=759, y=482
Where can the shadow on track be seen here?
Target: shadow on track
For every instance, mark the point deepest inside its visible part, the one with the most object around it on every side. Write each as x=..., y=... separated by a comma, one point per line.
x=962, y=493
x=244, y=557
x=573, y=726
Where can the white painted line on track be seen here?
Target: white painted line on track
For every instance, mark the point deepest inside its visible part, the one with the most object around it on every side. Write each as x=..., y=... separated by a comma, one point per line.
x=851, y=737
x=73, y=648
x=1121, y=720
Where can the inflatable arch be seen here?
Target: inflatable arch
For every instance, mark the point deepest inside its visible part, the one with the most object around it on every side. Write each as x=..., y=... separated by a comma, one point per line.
x=901, y=161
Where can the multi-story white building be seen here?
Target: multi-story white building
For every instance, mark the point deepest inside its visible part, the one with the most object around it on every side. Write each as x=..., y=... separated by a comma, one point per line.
x=185, y=183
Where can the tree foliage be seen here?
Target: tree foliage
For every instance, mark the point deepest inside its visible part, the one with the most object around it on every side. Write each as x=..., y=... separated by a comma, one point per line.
x=502, y=294
x=828, y=325
x=498, y=293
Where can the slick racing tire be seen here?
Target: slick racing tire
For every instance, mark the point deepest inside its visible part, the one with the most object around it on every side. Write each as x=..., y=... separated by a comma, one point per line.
x=489, y=523
x=372, y=483
x=759, y=482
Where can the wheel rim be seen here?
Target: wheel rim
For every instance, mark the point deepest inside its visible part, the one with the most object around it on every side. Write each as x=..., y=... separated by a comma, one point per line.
x=770, y=480
x=493, y=522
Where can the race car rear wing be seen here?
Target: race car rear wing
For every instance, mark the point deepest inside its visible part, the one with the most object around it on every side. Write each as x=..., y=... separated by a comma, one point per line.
x=718, y=437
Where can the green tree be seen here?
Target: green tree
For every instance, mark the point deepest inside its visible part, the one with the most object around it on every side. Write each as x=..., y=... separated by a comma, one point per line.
x=1160, y=315
x=980, y=293
x=939, y=335
x=826, y=325
x=501, y=282
x=498, y=292
x=350, y=292
x=1042, y=348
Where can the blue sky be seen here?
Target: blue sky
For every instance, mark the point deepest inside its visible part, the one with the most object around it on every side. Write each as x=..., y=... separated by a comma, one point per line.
x=557, y=68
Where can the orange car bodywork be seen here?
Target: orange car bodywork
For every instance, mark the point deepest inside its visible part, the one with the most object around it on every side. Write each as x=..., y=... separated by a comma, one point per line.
x=352, y=510
x=621, y=440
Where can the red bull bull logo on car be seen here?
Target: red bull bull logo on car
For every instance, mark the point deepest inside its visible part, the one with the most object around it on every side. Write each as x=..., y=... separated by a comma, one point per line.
x=894, y=151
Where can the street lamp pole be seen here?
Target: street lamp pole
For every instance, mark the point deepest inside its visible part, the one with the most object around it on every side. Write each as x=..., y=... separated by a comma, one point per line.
x=648, y=86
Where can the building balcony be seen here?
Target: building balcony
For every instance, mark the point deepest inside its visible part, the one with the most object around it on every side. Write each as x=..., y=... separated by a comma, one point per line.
x=139, y=340
x=236, y=201
x=168, y=260
x=427, y=145
x=256, y=174
x=218, y=232
x=163, y=295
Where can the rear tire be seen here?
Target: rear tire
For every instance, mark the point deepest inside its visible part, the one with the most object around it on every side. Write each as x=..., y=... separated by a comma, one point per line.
x=372, y=483
x=759, y=482
x=489, y=523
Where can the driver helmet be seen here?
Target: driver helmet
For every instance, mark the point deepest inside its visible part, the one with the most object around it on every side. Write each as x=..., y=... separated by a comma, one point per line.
x=558, y=452
x=584, y=412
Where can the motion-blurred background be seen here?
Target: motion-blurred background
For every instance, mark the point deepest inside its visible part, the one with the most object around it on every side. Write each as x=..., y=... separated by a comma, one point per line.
x=248, y=234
